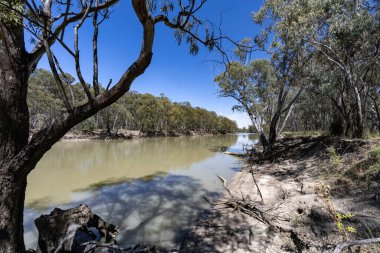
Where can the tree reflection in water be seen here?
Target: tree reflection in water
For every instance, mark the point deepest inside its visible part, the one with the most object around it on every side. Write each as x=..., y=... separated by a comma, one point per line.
x=151, y=188
x=154, y=210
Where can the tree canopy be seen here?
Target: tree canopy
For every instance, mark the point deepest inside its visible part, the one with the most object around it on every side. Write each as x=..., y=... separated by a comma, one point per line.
x=134, y=111
x=322, y=70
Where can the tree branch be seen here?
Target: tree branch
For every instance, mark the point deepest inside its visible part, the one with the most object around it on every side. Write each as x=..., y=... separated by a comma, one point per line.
x=58, y=80
x=95, y=79
x=39, y=49
x=42, y=141
x=77, y=58
x=343, y=245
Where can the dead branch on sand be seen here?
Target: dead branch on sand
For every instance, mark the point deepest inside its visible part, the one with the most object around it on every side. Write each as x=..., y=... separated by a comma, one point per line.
x=241, y=204
x=343, y=245
x=257, y=186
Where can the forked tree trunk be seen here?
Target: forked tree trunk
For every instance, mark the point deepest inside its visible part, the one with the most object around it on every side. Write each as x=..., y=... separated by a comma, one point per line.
x=14, y=132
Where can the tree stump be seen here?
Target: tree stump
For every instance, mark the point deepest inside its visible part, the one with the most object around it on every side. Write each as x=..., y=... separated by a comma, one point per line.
x=75, y=230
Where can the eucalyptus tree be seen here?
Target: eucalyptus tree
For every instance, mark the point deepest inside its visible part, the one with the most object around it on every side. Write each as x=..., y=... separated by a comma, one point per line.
x=43, y=100
x=113, y=118
x=250, y=85
x=48, y=21
x=148, y=113
x=373, y=79
x=345, y=33
x=290, y=56
x=226, y=125
x=266, y=89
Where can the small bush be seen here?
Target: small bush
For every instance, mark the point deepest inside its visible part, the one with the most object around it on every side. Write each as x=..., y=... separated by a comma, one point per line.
x=374, y=153
x=334, y=157
x=367, y=170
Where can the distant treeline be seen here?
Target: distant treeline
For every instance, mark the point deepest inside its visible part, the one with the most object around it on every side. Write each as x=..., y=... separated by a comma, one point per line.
x=134, y=111
x=249, y=129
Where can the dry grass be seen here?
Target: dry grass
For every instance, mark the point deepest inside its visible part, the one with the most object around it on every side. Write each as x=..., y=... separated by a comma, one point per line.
x=304, y=134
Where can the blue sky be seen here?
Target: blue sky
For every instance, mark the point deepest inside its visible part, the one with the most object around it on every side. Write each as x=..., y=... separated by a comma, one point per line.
x=173, y=71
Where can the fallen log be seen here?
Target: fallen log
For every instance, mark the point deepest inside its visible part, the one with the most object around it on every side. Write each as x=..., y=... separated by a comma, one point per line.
x=234, y=154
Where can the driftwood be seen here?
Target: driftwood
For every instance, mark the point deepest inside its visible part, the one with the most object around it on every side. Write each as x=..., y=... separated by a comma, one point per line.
x=71, y=230
x=343, y=245
x=79, y=230
x=255, y=209
x=257, y=186
x=234, y=154
x=252, y=209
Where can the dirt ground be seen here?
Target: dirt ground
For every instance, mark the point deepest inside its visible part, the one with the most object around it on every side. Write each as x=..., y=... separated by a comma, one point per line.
x=317, y=193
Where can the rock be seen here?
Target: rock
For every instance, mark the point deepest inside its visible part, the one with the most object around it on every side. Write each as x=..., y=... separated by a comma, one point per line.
x=75, y=230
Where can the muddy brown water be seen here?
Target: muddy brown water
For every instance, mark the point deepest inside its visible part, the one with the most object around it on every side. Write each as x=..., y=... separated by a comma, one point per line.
x=150, y=188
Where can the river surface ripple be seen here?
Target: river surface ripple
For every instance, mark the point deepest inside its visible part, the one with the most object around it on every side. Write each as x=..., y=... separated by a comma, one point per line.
x=151, y=188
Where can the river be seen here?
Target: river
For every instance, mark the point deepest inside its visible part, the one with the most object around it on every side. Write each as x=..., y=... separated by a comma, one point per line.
x=151, y=188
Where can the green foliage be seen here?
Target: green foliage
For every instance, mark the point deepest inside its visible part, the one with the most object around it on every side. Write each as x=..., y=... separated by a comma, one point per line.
x=334, y=157
x=43, y=99
x=133, y=111
x=342, y=38
x=10, y=11
x=252, y=86
x=374, y=153
x=339, y=220
x=373, y=170
x=364, y=174
x=303, y=133
x=373, y=135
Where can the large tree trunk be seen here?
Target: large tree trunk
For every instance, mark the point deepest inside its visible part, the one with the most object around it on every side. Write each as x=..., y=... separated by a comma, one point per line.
x=11, y=214
x=14, y=132
x=18, y=156
x=359, y=122
x=336, y=127
x=273, y=128
x=348, y=126
x=377, y=114
x=264, y=142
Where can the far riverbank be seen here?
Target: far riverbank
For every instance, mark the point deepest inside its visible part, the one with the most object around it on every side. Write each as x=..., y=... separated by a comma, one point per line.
x=99, y=134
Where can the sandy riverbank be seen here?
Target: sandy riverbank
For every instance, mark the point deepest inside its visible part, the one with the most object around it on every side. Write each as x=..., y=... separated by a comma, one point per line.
x=306, y=193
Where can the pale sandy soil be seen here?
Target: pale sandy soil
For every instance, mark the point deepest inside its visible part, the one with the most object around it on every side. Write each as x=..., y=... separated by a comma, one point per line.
x=302, y=196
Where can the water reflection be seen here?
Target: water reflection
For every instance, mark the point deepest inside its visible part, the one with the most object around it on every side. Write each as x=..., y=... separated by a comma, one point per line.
x=151, y=188
x=155, y=212
x=78, y=165
x=243, y=140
